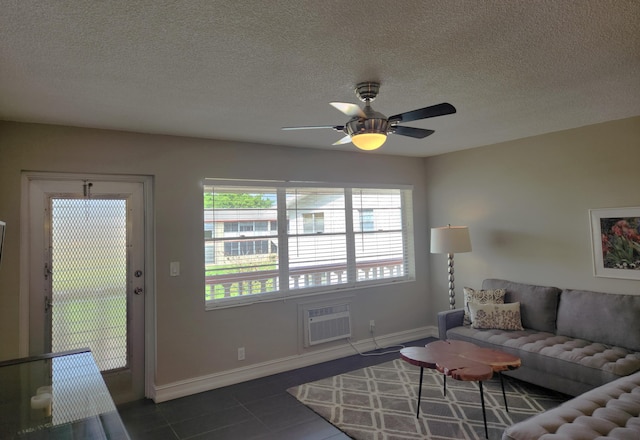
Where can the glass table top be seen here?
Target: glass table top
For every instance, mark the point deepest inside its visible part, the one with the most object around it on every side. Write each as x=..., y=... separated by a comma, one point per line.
x=56, y=396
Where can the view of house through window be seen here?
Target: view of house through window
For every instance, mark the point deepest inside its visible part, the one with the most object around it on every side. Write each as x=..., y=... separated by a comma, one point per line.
x=279, y=240
x=313, y=222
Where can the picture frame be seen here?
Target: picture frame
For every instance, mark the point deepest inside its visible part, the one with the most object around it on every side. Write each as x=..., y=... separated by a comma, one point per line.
x=615, y=239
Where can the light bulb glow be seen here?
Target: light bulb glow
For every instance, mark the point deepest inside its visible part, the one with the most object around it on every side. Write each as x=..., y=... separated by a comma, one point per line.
x=369, y=141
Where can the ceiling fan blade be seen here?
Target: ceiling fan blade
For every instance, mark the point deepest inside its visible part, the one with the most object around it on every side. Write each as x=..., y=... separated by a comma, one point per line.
x=312, y=127
x=349, y=109
x=418, y=133
x=344, y=140
x=428, y=112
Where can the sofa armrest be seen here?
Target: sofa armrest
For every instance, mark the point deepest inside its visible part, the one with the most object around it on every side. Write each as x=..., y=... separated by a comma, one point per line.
x=449, y=319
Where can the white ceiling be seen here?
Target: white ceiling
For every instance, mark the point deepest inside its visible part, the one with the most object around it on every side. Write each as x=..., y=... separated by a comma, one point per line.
x=241, y=70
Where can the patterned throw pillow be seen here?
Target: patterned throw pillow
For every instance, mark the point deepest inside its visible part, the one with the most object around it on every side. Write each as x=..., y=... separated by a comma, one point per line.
x=481, y=297
x=498, y=316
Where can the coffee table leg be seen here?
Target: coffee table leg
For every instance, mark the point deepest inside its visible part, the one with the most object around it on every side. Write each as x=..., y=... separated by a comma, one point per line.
x=484, y=414
x=419, y=393
x=444, y=388
x=504, y=395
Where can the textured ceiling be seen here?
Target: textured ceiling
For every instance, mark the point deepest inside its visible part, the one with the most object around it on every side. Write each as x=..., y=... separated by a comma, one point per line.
x=241, y=70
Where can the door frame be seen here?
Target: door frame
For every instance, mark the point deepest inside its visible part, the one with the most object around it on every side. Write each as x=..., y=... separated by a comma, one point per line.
x=149, y=262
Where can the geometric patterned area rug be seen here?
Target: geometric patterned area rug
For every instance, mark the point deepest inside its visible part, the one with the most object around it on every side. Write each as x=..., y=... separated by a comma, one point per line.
x=379, y=402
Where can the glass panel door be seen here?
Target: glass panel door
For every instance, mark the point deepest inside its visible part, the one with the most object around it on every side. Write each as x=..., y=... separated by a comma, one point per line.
x=89, y=278
x=87, y=275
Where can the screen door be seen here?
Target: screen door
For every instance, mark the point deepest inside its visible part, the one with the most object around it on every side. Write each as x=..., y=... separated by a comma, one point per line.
x=89, y=278
x=92, y=289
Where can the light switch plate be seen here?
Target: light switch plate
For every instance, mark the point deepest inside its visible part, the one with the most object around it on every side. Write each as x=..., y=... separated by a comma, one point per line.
x=174, y=269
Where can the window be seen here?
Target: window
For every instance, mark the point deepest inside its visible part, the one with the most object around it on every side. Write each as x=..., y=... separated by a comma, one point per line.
x=248, y=226
x=366, y=219
x=313, y=223
x=237, y=248
x=332, y=237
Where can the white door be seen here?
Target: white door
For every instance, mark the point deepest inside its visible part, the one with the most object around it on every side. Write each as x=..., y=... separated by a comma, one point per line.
x=87, y=281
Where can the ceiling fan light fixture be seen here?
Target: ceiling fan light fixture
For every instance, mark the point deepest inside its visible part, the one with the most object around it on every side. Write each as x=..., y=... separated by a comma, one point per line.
x=369, y=141
x=368, y=133
x=368, y=129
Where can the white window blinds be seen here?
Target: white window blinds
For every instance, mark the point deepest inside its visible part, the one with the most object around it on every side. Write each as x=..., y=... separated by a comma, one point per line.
x=270, y=241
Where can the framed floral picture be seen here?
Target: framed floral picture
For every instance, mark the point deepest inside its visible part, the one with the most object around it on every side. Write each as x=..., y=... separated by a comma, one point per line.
x=615, y=237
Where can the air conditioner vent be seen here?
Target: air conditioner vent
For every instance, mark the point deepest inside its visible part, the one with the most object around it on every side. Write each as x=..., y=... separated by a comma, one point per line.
x=326, y=324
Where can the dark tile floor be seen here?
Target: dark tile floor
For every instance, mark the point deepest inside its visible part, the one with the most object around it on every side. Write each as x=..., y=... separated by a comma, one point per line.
x=259, y=409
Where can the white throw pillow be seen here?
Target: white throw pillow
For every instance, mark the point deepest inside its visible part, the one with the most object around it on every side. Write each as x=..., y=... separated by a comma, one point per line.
x=495, y=296
x=497, y=316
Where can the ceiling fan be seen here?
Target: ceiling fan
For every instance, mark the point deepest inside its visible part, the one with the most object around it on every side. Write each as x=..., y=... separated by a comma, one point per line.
x=368, y=129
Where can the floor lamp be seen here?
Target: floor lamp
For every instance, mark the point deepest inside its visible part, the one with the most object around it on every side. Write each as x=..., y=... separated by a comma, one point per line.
x=450, y=240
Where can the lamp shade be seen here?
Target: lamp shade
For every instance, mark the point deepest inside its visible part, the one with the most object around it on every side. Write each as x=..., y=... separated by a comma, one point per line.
x=450, y=240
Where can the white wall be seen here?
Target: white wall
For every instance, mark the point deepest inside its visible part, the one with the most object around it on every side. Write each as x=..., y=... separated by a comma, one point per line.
x=526, y=203
x=527, y=206
x=192, y=342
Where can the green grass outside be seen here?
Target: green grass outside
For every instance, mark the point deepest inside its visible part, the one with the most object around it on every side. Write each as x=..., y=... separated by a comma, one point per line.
x=98, y=321
x=90, y=306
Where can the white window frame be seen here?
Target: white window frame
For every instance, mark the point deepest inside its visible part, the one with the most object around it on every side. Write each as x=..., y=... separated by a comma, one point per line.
x=353, y=280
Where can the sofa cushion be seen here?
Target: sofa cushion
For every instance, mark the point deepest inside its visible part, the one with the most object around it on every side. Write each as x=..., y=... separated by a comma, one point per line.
x=500, y=316
x=604, y=317
x=538, y=304
x=480, y=297
x=574, y=359
x=609, y=411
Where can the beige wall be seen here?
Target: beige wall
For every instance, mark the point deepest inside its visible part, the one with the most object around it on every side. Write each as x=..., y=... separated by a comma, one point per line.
x=527, y=205
x=192, y=342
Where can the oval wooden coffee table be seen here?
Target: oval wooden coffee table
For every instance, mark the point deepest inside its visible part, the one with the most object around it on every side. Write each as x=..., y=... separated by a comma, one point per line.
x=462, y=361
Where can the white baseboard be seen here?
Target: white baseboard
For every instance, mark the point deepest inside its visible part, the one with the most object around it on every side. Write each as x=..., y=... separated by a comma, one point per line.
x=195, y=385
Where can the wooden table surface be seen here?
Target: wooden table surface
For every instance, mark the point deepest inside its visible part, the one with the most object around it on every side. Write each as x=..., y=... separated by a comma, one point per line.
x=460, y=360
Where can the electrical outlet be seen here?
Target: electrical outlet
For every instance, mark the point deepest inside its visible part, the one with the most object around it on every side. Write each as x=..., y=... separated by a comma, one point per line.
x=372, y=326
x=240, y=353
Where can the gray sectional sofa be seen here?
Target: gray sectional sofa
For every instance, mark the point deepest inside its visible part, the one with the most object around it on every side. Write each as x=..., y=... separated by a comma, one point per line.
x=574, y=342
x=610, y=411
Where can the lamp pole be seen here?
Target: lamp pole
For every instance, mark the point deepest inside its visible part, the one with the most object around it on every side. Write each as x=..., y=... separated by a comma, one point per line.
x=452, y=286
x=449, y=240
